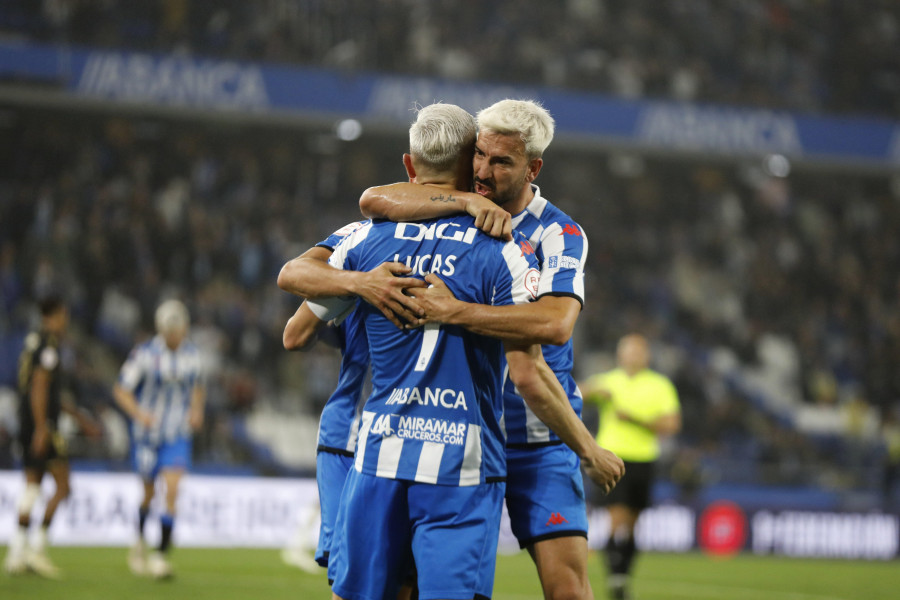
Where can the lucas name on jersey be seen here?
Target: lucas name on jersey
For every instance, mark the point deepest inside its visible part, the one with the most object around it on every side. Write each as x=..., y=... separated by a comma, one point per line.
x=448, y=398
x=421, y=429
x=425, y=264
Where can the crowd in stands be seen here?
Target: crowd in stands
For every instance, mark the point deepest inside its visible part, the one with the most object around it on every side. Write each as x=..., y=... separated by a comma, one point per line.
x=817, y=55
x=720, y=263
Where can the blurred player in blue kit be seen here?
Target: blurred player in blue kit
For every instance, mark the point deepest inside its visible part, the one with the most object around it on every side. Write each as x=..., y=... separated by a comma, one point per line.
x=161, y=389
x=430, y=461
x=545, y=496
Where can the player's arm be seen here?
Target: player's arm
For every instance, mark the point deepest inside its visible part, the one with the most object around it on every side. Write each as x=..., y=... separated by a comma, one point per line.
x=549, y=320
x=546, y=398
x=85, y=421
x=126, y=400
x=416, y=202
x=594, y=390
x=310, y=276
x=39, y=396
x=668, y=424
x=666, y=420
x=302, y=330
x=198, y=406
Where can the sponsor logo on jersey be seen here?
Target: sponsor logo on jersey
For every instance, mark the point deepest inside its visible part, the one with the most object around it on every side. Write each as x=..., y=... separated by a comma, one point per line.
x=448, y=398
x=570, y=229
x=555, y=519
x=526, y=248
x=431, y=430
x=563, y=262
x=417, y=232
x=382, y=426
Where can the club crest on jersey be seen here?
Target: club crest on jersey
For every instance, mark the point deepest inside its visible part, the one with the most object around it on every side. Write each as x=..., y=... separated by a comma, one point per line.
x=348, y=229
x=532, y=281
x=417, y=232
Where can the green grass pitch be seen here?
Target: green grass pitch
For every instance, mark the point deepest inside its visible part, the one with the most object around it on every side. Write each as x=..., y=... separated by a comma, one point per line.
x=100, y=573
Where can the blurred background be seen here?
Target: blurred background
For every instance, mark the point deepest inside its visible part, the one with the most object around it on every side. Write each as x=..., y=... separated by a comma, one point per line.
x=735, y=164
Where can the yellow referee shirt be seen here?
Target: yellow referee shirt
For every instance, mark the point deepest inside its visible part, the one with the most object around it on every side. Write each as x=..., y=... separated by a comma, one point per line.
x=646, y=397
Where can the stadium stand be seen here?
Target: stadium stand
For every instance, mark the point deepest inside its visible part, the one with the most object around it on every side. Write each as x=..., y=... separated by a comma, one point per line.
x=824, y=56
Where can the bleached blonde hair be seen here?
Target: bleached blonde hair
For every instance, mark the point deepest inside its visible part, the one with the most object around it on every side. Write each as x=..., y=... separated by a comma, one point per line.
x=525, y=118
x=172, y=315
x=440, y=135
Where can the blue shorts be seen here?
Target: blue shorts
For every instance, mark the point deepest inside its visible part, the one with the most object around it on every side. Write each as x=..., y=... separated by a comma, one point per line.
x=450, y=532
x=331, y=471
x=545, y=494
x=149, y=459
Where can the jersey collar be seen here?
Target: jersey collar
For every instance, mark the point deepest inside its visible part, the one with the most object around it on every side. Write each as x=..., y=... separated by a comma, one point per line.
x=535, y=207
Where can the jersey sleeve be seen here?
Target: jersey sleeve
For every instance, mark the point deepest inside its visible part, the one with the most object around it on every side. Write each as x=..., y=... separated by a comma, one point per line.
x=332, y=241
x=564, y=246
x=518, y=278
x=344, y=257
x=132, y=372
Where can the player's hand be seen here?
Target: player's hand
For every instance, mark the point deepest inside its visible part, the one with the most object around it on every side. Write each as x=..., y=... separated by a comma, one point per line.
x=490, y=218
x=604, y=468
x=437, y=301
x=91, y=428
x=383, y=287
x=40, y=440
x=144, y=418
x=626, y=416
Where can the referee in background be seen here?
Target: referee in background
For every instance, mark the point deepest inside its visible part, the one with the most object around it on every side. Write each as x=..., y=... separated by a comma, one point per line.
x=637, y=406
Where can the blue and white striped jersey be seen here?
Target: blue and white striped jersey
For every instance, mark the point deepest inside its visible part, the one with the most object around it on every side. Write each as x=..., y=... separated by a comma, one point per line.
x=339, y=422
x=436, y=404
x=561, y=249
x=162, y=381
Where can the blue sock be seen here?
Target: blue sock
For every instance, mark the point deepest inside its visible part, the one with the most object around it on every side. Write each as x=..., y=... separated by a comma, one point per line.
x=167, y=522
x=142, y=518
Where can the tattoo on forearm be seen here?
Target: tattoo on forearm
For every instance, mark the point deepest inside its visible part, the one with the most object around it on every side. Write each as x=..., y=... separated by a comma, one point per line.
x=442, y=198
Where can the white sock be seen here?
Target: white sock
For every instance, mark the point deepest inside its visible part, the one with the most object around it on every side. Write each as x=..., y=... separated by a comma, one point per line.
x=40, y=540
x=19, y=541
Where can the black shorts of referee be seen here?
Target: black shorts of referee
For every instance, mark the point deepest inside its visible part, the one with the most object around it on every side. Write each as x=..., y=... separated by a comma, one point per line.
x=634, y=489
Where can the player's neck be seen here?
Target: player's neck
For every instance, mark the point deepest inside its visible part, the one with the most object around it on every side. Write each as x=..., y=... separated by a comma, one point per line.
x=438, y=182
x=521, y=202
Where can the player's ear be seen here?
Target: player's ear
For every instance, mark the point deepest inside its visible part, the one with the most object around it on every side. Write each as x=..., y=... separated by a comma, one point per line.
x=410, y=169
x=534, y=167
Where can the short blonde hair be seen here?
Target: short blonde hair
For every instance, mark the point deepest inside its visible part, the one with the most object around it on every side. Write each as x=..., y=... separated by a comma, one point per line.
x=172, y=315
x=440, y=135
x=525, y=118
